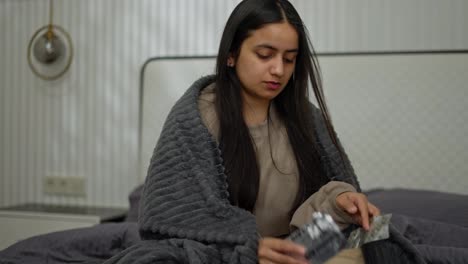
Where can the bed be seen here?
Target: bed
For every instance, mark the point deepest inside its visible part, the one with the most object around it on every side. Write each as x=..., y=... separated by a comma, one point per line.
x=405, y=194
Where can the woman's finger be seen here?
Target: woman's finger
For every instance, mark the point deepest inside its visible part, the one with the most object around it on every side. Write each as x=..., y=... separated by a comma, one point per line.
x=277, y=257
x=266, y=261
x=373, y=210
x=285, y=246
x=281, y=251
x=346, y=203
x=360, y=201
x=357, y=205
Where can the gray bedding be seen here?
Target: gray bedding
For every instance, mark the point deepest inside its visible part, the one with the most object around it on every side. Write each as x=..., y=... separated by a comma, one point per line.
x=437, y=242
x=437, y=229
x=83, y=245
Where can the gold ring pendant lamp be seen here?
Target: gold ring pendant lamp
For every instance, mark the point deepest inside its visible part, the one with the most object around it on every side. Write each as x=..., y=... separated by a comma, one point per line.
x=50, y=50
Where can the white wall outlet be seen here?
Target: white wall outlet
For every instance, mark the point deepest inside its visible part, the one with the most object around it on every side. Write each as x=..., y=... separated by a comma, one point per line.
x=61, y=185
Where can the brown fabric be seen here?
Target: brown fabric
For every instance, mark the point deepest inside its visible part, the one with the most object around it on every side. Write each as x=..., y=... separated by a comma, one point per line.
x=348, y=256
x=324, y=201
x=278, y=174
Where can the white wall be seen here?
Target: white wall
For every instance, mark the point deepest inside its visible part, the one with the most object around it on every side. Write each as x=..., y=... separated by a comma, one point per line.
x=86, y=123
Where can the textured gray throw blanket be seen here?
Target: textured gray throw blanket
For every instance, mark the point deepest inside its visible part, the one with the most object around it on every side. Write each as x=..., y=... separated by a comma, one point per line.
x=185, y=215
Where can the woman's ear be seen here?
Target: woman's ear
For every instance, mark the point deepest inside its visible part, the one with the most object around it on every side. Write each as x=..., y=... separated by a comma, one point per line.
x=230, y=61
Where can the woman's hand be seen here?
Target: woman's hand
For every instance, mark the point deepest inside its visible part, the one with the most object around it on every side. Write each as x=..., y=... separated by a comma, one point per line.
x=275, y=250
x=357, y=205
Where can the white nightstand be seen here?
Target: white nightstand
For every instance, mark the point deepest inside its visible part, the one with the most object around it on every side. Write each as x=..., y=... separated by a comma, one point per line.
x=27, y=220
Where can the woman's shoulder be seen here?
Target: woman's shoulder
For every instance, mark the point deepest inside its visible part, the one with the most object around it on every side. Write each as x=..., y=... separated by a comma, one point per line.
x=206, y=106
x=208, y=94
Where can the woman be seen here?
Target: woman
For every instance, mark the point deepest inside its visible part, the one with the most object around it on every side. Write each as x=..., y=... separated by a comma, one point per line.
x=244, y=157
x=263, y=46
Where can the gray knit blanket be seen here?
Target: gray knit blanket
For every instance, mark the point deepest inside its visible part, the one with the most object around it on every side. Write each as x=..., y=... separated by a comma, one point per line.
x=185, y=214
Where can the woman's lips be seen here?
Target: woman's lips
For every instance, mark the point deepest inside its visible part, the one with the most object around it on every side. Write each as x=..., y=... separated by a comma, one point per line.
x=273, y=85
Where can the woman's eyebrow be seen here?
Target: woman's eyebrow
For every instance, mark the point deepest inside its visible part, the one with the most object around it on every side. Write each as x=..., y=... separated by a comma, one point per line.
x=275, y=49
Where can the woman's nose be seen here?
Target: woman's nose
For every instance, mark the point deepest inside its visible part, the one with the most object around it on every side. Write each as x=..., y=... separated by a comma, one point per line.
x=277, y=67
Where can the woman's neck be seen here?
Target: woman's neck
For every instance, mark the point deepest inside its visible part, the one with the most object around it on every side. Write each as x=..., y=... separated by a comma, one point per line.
x=255, y=113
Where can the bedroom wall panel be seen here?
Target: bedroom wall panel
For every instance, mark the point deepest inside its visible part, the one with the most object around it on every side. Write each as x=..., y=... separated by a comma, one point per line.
x=86, y=123
x=385, y=25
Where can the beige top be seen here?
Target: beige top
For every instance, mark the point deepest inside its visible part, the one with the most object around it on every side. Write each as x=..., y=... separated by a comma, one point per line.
x=278, y=184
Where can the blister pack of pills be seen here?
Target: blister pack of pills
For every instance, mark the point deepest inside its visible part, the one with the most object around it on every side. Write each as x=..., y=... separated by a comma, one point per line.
x=378, y=230
x=321, y=237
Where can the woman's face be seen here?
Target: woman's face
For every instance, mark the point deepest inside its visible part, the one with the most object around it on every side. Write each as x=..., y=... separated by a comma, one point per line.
x=266, y=62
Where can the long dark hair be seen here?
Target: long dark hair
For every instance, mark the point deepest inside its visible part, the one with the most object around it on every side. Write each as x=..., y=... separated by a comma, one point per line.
x=292, y=105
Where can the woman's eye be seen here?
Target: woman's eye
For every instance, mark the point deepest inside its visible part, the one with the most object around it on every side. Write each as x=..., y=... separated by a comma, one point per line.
x=263, y=56
x=289, y=60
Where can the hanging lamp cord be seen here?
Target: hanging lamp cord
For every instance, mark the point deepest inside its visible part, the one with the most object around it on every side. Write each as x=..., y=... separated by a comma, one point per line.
x=50, y=32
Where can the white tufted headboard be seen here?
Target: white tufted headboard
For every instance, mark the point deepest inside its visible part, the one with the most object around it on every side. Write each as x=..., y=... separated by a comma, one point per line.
x=402, y=117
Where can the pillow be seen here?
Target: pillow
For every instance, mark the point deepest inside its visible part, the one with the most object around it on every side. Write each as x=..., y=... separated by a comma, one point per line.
x=134, y=200
x=438, y=206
